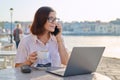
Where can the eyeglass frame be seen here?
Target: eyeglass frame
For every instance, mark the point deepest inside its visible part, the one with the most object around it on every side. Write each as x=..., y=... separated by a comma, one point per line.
x=52, y=20
x=44, y=65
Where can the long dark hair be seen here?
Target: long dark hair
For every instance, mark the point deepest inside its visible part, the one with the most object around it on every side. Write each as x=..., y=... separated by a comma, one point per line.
x=40, y=18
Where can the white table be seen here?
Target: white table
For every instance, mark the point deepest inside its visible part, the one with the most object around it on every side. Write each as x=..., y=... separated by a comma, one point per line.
x=5, y=55
x=16, y=74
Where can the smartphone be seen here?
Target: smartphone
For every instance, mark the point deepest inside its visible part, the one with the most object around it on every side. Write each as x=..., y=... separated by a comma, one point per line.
x=56, y=31
x=25, y=69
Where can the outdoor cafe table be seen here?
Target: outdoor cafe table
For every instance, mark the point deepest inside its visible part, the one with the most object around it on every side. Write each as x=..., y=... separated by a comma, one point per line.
x=16, y=74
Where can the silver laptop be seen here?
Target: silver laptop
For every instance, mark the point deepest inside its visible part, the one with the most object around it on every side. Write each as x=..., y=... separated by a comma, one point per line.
x=83, y=60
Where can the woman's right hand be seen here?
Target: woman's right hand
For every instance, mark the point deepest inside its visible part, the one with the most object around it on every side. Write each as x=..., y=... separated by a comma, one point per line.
x=30, y=60
x=32, y=57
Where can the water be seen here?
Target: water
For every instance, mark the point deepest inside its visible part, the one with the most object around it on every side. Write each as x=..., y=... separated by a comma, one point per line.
x=112, y=43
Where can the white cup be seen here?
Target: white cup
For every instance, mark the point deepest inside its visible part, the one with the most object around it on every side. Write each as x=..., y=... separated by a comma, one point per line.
x=43, y=54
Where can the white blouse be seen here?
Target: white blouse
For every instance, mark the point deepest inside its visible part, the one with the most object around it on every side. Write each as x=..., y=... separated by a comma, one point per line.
x=30, y=44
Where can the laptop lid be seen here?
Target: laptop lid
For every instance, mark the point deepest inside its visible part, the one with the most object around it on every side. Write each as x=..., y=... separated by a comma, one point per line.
x=83, y=60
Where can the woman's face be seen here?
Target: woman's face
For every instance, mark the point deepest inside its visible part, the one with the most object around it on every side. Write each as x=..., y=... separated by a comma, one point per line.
x=51, y=22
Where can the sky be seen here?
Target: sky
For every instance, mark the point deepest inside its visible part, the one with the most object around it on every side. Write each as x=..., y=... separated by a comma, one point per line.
x=67, y=10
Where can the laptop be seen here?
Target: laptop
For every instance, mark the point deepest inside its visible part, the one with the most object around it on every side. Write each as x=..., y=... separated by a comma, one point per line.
x=83, y=60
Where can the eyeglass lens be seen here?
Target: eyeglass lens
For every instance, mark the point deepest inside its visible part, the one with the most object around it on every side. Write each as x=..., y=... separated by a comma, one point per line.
x=51, y=19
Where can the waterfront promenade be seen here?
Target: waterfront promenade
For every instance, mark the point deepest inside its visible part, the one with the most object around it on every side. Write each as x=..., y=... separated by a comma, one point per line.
x=108, y=66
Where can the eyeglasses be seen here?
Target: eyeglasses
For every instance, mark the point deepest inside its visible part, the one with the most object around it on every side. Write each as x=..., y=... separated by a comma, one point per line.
x=52, y=20
x=44, y=65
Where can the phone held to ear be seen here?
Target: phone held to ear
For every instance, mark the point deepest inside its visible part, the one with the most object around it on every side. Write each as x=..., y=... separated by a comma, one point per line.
x=56, y=31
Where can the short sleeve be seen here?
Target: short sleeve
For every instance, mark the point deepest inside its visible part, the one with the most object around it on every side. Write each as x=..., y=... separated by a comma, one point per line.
x=22, y=52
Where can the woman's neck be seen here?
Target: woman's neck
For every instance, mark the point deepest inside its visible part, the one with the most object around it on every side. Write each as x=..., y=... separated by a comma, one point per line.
x=44, y=38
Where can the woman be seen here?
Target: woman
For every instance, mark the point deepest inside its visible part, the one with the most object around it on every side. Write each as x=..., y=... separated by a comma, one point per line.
x=41, y=37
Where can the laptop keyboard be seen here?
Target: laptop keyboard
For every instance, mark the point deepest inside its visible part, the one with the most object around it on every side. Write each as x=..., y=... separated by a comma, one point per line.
x=59, y=70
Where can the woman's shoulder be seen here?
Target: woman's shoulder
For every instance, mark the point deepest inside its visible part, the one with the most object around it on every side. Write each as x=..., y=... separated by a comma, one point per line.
x=27, y=38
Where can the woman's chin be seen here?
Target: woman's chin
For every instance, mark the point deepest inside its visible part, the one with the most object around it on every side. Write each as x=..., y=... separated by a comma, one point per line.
x=52, y=30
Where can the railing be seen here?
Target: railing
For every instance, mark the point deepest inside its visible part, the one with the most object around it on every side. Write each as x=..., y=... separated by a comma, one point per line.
x=7, y=51
x=7, y=58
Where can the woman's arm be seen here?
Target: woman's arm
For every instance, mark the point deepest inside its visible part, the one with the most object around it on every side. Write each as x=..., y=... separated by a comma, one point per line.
x=29, y=61
x=23, y=57
x=62, y=50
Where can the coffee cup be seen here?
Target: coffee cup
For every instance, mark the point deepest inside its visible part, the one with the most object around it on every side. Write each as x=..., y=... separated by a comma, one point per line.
x=43, y=54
